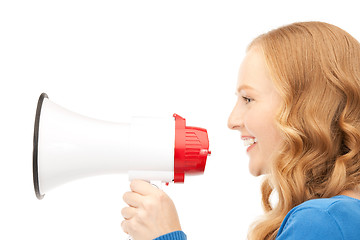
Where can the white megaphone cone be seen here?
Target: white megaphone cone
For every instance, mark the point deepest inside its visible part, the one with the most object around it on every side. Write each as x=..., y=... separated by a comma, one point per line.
x=69, y=146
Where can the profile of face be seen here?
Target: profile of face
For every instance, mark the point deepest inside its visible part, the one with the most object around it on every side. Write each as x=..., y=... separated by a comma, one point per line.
x=255, y=110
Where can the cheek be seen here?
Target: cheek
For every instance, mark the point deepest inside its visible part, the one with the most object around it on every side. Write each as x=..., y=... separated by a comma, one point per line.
x=261, y=124
x=256, y=125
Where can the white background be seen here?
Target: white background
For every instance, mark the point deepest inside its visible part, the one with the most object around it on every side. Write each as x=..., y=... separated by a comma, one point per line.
x=114, y=59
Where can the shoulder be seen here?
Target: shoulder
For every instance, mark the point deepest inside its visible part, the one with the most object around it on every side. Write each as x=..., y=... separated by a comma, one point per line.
x=328, y=204
x=328, y=218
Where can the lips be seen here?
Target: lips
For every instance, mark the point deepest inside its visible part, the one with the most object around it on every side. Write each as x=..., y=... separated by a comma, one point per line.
x=249, y=141
x=251, y=147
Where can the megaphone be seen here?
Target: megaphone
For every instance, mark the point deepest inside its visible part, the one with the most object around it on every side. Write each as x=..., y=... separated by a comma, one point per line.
x=69, y=146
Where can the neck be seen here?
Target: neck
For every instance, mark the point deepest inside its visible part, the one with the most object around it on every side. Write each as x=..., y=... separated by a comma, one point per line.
x=355, y=193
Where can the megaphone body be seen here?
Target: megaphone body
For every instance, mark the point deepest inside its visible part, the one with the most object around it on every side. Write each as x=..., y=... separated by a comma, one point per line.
x=70, y=146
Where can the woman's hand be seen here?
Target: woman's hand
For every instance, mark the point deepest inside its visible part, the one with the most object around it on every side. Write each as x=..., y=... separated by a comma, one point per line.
x=151, y=213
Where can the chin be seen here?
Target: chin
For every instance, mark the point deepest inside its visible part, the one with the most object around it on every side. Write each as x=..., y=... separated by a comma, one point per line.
x=257, y=168
x=256, y=174
x=255, y=171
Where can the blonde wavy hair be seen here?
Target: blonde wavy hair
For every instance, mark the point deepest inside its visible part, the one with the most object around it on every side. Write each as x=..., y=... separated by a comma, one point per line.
x=315, y=67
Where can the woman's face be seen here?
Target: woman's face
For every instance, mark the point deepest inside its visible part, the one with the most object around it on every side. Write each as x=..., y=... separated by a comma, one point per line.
x=254, y=112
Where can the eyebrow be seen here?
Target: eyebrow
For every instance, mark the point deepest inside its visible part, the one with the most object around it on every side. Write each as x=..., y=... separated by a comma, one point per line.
x=244, y=87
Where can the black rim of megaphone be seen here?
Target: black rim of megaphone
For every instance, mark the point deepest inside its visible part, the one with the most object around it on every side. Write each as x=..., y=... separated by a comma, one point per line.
x=35, y=150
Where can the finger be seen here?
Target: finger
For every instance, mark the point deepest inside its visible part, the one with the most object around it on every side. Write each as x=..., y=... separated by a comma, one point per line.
x=128, y=212
x=142, y=187
x=124, y=226
x=132, y=199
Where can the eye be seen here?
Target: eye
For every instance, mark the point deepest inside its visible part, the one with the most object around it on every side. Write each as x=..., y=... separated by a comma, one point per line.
x=247, y=100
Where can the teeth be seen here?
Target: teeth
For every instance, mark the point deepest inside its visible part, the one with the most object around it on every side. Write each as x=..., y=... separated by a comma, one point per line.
x=249, y=141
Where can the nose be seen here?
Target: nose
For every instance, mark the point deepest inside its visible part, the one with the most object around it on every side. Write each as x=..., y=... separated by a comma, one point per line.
x=235, y=120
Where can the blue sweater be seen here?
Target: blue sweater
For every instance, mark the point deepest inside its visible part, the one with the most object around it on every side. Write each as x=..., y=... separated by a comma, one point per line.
x=326, y=218
x=178, y=235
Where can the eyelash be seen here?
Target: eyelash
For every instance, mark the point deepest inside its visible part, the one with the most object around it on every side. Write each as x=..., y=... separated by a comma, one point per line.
x=247, y=100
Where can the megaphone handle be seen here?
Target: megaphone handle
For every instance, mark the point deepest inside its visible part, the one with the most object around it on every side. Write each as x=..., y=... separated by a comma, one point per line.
x=157, y=184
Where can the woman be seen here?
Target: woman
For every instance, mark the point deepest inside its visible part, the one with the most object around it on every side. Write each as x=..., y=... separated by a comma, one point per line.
x=298, y=110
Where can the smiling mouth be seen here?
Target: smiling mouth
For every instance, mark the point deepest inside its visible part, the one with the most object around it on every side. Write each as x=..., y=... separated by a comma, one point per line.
x=250, y=147
x=249, y=141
